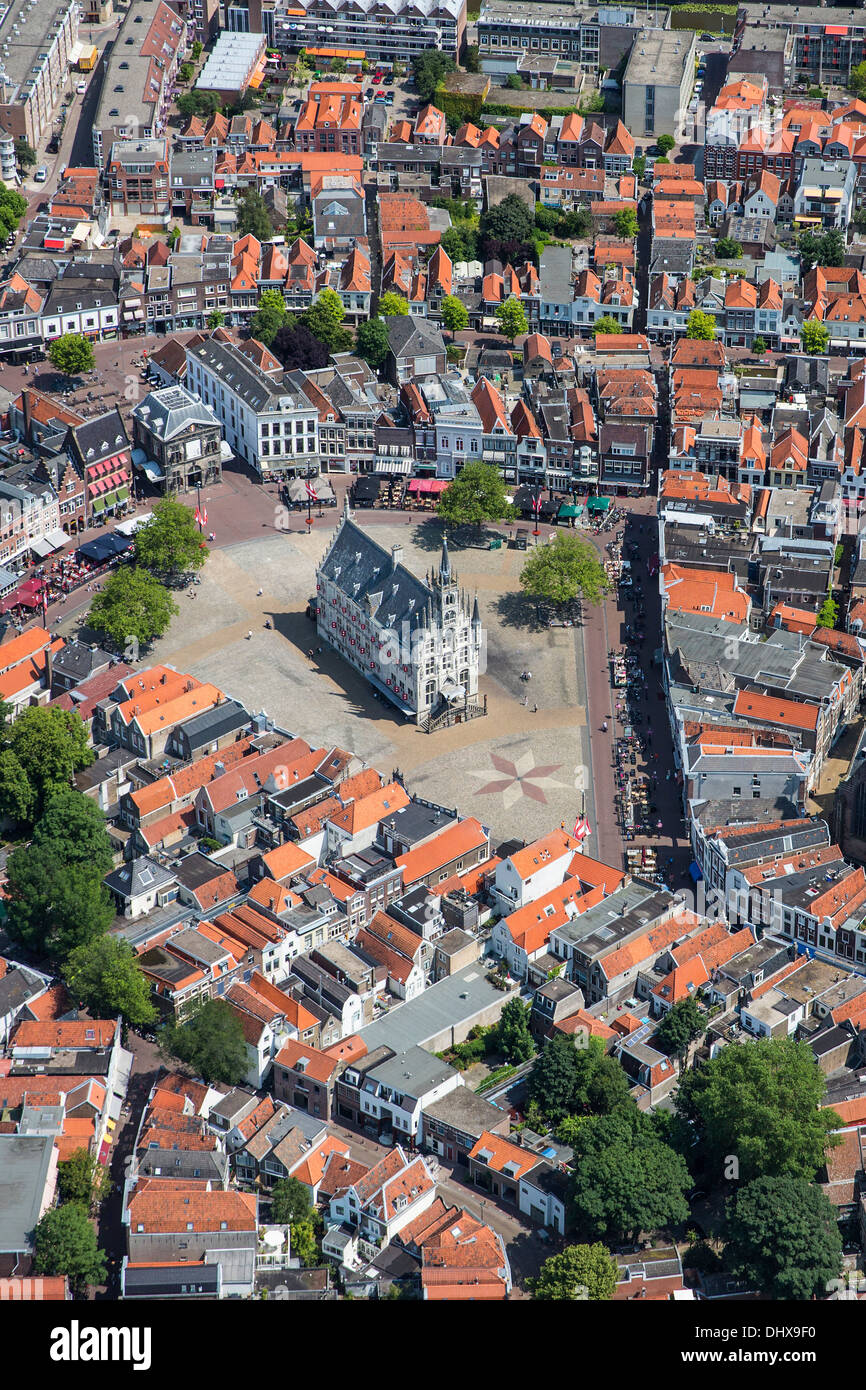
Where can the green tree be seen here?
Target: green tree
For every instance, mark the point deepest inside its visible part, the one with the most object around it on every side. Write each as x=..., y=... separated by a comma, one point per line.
x=625, y=1179
x=575, y=224
x=270, y=316
x=762, y=1104
x=822, y=248
x=606, y=324
x=471, y=60
x=371, y=342
x=290, y=1202
x=828, y=613
x=857, y=79
x=304, y=1243
x=585, y=1272
x=701, y=326
x=65, y=1243
x=639, y=165
x=563, y=570
x=393, y=304
x=211, y=1042
x=682, y=1023
x=476, y=495
x=170, y=543
x=81, y=1178
x=553, y=1079
x=759, y=345
x=513, y=1037
x=132, y=609
x=253, y=216
x=197, y=50
x=460, y=243
x=72, y=826
x=338, y=65
x=455, y=316
x=106, y=977
x=665, y=143
x=185, y=72
x=216, y=319
x=815, y=337
x=52, y=906
x=783, y=1238
x=728, y=249
x=51, y=746
x=72, y=354
x=428, y=69
x=324, y=319
x=17, y=798
x=510, y=220
x=625, y=224
x=24, y=153
x=198, y=103
x=514, y=82
x=511, y=317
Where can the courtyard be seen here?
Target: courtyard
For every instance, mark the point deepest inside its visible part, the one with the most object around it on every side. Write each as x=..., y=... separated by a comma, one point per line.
x=520, y=773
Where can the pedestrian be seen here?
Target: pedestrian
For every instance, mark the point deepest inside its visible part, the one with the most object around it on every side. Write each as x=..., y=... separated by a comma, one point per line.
x=535, y=709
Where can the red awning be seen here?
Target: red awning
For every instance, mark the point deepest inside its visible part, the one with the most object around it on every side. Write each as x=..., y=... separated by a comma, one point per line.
x=836, y=29
x=219, y=183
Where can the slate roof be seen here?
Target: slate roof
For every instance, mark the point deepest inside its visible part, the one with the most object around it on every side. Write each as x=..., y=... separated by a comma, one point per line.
x=409, y=337
x=362, y=570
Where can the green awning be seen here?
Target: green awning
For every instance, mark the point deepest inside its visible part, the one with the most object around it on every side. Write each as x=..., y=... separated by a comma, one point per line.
x=425, y=467
x=569, y=509
x=598, y=504
x=97, y=504
x=122, y=493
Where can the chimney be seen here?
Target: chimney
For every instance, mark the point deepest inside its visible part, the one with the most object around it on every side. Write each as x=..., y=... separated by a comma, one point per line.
x=25, y=401
x=396, y=556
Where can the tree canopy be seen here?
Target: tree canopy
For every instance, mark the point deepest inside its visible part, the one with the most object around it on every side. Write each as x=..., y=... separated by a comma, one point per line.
x=476, y=495
x=253, y=216
x=783, y=1238
x=392, y=305
x=564, y=569
x=270, y=316
x=428, y=69
x=81, y=1178
x=815, y=337
x=625, y=224
x=290, y=1202
x=105, y=975
x=729, y=249
x=211, y=1042
x=56, y=897
x=455, y=315
x=682, y=1023
x=828, y=613
x=71, y=353
x=579, y=1272
x=47, y=746
x=626, y=1180
x=132, y=608
x=65, y=1243
x=170, y=543
x=701, y=326
x=821, y=248
x=513, y=1037
x=665, y=143
x=760, y=1103
x=569, y=1080
x=606, y=324
x=509, y=221
x=371, y=342
x=324, y=319
x=298, y=348
x=511, y=317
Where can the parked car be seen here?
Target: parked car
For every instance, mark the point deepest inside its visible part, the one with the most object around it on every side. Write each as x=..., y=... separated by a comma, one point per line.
x=41, y=174
x=81, y=87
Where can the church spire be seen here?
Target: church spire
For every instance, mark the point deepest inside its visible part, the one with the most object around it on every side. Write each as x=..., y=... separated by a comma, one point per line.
x=445, y=563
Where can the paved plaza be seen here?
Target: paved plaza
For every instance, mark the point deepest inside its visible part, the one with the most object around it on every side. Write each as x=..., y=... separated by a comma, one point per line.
x=519, y=772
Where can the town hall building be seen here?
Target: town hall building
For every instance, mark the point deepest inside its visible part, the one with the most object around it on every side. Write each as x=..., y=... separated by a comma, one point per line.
x=418, y=642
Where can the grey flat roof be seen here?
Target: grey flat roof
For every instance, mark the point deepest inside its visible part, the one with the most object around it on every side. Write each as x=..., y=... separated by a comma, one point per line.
x=413, y=1072
x=443, y=1005
x=24, y=1164
x=659, y=57
x=463, y=1109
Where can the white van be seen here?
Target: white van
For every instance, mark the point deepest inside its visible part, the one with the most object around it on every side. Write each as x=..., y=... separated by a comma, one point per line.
x=41, y=174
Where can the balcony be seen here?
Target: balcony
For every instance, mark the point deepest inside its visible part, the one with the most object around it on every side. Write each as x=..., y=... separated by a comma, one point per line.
x=274, y=1248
